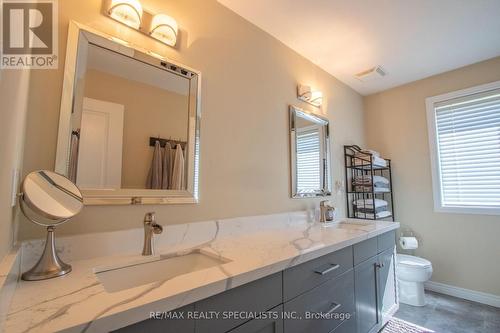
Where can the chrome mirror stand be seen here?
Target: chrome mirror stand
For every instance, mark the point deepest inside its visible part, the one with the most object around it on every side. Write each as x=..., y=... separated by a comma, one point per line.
x=49, y=199
x=49, y=265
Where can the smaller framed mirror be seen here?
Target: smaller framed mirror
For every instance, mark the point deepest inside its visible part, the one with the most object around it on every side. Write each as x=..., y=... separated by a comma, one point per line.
x=310, y=154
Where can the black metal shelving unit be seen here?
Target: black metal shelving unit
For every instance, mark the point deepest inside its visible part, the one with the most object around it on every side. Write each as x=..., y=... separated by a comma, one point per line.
x=359, y=163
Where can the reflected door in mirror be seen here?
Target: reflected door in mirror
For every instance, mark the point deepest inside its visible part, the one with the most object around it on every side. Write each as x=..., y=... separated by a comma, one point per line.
x=101, y=145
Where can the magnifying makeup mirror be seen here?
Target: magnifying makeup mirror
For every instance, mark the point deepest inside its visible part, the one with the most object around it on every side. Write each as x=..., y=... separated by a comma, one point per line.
x=49, y=199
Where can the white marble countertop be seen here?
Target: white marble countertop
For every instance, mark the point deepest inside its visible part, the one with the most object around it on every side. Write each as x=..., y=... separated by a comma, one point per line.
x=257, y=247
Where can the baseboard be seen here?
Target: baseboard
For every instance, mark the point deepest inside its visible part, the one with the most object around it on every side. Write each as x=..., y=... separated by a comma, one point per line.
x=471, y=295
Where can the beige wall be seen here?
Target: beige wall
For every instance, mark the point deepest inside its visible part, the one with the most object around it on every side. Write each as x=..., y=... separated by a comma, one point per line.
x=462, y=248
x=149, y=112
x=248, y=81
x=14, y=86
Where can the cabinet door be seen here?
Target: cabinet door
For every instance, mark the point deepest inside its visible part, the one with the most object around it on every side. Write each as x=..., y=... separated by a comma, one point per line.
x=387, y=302
x=274, y=324
x=365, y=284
x=173, y=325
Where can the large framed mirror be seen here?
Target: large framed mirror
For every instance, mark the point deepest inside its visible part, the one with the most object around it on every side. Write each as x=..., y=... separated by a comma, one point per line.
x=310, y=154
x=129, y=123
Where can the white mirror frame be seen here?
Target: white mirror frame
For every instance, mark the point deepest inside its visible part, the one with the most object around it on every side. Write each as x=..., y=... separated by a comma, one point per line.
x=325, y=142
x=80, y=36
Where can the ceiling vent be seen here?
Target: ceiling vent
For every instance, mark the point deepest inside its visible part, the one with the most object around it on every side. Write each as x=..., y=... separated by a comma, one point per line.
x=371, y=74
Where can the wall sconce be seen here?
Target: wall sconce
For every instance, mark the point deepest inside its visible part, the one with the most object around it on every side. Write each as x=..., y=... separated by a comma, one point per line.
x=129, y=12
x=306, y=94
x=164, y=28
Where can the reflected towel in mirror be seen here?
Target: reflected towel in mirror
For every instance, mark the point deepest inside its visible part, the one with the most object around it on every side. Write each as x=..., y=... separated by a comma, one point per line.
x=168, y=157
x=178, y=182
x=154, y=180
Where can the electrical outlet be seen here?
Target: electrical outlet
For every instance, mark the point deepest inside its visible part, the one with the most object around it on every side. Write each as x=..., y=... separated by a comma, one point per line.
x=15, y=187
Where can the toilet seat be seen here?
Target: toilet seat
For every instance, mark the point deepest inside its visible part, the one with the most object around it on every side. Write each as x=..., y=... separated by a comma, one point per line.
x=405, y=260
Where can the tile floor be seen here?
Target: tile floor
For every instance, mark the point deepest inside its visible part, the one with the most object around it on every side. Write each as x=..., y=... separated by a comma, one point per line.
x=446, y=314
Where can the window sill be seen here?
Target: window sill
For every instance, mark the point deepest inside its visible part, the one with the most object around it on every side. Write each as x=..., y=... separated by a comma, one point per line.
x=467, y=210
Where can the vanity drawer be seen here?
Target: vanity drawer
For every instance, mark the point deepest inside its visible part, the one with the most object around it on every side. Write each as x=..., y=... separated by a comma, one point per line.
x=364, y=250
x=335, y=295
x=386, y=241
x=304, y=277
x=256, y=296
x=274, y=324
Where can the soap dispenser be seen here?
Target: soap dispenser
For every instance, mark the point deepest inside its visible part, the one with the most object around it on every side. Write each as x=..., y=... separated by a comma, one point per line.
x=326, y=211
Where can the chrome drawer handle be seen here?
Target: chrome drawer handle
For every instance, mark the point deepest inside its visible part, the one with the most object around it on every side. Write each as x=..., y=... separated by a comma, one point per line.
x=328, y=270
x=334, y=308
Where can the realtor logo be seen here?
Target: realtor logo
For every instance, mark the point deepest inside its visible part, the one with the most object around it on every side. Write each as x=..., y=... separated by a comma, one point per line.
x=29, y=34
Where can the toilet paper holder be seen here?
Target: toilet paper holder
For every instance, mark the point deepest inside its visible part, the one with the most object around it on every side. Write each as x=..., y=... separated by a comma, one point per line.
x=406, y=232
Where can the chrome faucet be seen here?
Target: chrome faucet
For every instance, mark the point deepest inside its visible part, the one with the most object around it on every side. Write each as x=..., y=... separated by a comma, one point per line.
x=150, y=227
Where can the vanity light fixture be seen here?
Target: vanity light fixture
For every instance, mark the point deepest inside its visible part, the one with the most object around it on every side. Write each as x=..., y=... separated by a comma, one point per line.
x=164, y=28
x=128, y=12
x=159, y=26
x=306, y=94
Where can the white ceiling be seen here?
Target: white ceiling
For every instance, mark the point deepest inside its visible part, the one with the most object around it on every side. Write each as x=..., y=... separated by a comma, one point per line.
x=410, y=39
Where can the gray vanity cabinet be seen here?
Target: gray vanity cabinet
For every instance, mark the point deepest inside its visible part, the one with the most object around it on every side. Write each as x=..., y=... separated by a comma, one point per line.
x=345, y=291
x=372, y=278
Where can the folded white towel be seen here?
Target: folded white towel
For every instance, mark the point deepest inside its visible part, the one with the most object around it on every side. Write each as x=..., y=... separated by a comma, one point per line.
x=368, y=203
x=368, y=188
x=380, y=215
x=368, y=151
x=367, y=179
x=377, y=162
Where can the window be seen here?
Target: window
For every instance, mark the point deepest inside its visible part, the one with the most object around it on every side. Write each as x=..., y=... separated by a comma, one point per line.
x=308, y=161
x=464, y=137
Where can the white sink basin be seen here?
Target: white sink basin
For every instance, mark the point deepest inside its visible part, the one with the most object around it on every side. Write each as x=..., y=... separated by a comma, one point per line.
x=158, y=269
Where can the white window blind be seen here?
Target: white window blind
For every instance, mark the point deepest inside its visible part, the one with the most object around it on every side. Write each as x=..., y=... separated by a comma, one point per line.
x=308, y=161
x=468, y=149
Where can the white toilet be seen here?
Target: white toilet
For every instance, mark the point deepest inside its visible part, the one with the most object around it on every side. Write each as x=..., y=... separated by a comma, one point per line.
x=412, y=272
